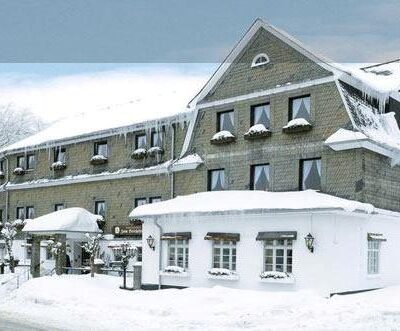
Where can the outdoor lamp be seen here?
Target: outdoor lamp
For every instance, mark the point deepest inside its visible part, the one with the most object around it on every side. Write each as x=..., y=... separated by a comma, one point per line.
x=309, y=242
x=151, y=242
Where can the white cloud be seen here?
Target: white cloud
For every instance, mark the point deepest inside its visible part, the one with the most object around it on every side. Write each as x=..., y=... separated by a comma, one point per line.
x=62, y=96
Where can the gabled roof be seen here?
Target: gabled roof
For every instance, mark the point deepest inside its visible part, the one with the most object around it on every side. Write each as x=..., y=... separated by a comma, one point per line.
x=238, y=48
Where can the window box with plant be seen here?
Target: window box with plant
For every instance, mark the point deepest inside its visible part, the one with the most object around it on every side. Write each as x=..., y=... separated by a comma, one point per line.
x=140, y=151
x=156, y=144
x=260, y=122
x=100, y=153
x=174, y=271
x=276, y=277
x=225, y=127
x=59, y=159
x=299, y=115
x=18, y=171
x=222, y=274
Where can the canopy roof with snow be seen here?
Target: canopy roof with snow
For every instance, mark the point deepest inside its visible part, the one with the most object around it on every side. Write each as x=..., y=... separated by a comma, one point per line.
x=236, y=202
x=70, y=220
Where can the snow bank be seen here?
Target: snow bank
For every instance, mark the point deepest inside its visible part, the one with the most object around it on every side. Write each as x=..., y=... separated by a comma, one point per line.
x=66, y=220
x=79, y=302
x=239, y=201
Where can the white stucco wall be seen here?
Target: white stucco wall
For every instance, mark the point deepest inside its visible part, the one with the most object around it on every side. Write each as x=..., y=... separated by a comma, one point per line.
x=338, y=264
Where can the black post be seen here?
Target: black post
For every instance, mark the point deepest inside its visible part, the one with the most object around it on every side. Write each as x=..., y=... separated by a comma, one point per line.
x=125, y=266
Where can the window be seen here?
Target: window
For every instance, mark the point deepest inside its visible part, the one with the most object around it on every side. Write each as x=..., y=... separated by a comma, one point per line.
x=259, y=60
x=310, y=174
x=140, y=141
x=225, y=121
x=139, y=254
x=140, y=202
x=278, y=255
x=2, y=165
x=260, y=114
x=178, y=253
x=59, y=154
x=30, y=212
x=100, y=208
x=30, y=162
x=156, y=139
x=1, y=215
x=224, y=254
x=20, y=213
x=100, y=148
x=374, y=247
x=21, y=162
x=216, y=180
x=155, y=199
x=300, y=107
x=259, y=179
x=58, y=206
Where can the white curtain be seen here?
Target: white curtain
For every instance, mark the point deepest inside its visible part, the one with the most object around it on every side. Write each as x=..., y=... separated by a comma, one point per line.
x=261, y=170
x=306, y=171
x=218, y=180
x=297, y=105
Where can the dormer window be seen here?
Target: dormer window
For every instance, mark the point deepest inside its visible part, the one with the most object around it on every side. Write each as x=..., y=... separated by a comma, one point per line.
x=140, y=141
x=21, y=162
x=260, y=60
x=156, y=139
x=59, y=154
x=100, y=148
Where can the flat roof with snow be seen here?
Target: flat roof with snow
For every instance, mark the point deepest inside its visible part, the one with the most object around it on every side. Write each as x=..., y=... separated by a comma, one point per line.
x=70, y=220
x=248, y=201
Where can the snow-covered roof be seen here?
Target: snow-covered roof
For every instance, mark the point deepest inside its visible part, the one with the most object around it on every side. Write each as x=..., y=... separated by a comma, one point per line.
x=70, y=220
x=143, y=114
x=383, y=77
x=247, y=201
x=344, y=135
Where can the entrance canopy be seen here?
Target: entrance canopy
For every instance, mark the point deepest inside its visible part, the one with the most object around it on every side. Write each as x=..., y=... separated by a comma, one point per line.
x=66, y=221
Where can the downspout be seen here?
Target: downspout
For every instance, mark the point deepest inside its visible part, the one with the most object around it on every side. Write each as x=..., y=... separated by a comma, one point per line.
x=159, y=252
x=172, y=175
x=6, y=189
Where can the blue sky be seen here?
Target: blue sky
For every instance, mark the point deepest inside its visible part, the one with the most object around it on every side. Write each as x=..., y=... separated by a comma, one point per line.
x=45, y=42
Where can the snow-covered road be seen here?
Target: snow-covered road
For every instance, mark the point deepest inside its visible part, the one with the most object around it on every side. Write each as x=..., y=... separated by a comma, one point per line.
x=80, y=303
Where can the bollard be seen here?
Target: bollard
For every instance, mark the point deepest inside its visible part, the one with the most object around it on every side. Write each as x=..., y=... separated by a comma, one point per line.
x=137, y=277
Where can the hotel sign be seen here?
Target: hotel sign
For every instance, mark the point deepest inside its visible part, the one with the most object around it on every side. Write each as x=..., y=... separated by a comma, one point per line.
x=127, y=230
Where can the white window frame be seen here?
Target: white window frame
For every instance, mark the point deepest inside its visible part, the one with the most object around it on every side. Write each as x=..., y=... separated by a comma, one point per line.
x=373, y=257
x=257, y=57
x=178, y=244
x=274, y=245
x=232, y=255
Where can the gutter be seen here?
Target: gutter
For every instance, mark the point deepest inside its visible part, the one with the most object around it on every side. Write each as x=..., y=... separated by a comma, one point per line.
x=6, y=188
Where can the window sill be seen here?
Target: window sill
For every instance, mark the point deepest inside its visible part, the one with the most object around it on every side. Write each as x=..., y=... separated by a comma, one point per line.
x=297, y=128
x=289, y=280
x=185, y=274
x=223, y=277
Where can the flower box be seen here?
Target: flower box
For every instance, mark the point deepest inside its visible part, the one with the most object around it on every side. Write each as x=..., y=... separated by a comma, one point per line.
x=139, y=153
x=222, y=137
x=256, y=132
x=98, y=159
x=58, y=166
x=276, y=277
x=154, y=151
x=297, y=125
x=19, y=171
x=222, y=274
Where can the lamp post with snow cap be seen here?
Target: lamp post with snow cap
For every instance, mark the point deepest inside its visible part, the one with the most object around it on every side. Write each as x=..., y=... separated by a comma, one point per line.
x=151, y=242
x=309, y=239
x=127, y=252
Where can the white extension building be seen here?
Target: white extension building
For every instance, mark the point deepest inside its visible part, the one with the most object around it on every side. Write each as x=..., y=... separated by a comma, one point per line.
x=262, y=240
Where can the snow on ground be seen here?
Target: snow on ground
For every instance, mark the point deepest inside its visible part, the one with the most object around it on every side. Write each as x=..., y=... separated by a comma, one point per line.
x=81, y=303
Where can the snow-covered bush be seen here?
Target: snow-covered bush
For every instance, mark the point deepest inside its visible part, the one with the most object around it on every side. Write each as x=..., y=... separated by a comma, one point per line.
x=221, y=272
x=59, y=165
x=257, y=131
x=223, y=137
x=92, y=247
x=98, y=261
x=274, y=275
x=54, y=248
x=8, y=232
x=98, y=159
x=19, y=171
x=154, y=151
x=139, y=153
x=174, y=269
x=297, y=125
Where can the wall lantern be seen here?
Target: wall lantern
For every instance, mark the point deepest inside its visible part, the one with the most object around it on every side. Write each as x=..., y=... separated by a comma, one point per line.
x=151, y=242
x=309, y=242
